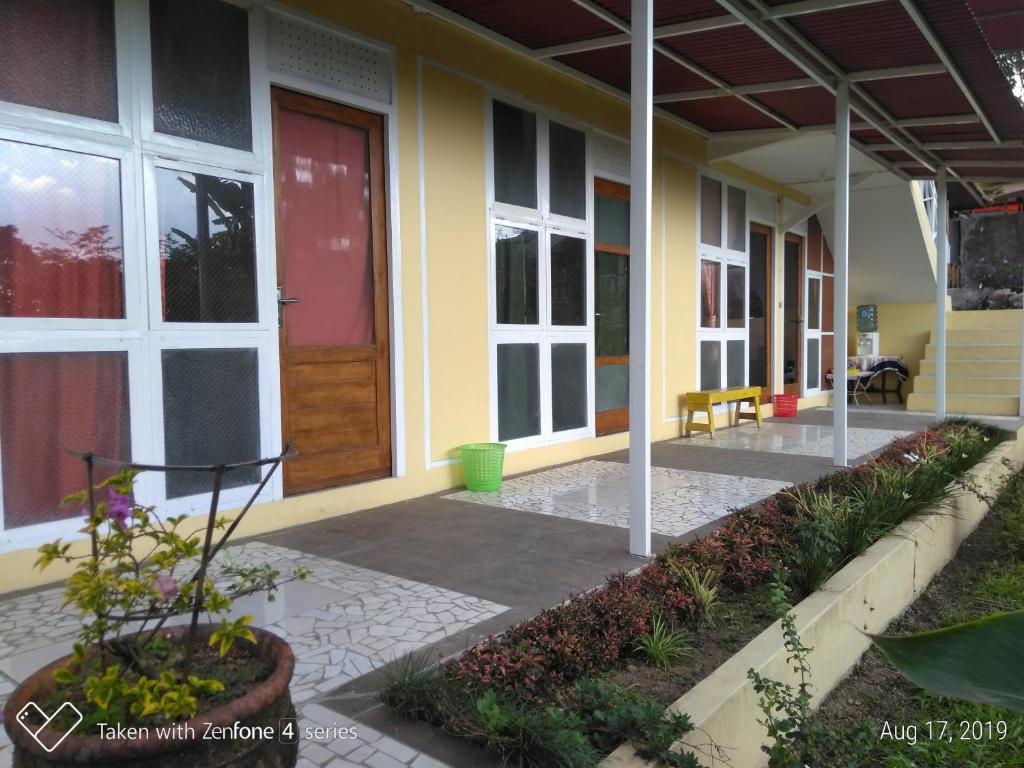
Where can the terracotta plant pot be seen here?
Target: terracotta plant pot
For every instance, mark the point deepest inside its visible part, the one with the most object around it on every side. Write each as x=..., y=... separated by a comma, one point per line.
x=262, y=707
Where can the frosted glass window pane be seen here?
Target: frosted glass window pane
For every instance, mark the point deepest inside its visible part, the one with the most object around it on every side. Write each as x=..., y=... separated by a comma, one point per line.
x=710, y=294
x=612, y=385
x=568, y=280
x=201, y=71
x=735, y=351
x=737, y=314
x=710, y=211
x=737, y=222
x=611, y=220
x=814, y=304
x=211, y=415
x=710, y=364
x=515, y=155
x=515, y=255
x=518, y=390
x=59, y=55
x=207, y=251
x=60, y=234
x=568, y=386
x=567, y=165
x=813, y=363
x=48, y=400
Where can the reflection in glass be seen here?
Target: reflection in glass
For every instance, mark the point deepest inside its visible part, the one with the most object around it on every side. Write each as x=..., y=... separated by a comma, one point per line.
x=758, y=302
x=207, y=252
x=515, y=155
x=710, y=364
x=813, y=361
x=814, y=303
x=568, y=386
x=611, y=304
x=59, y=55
x=710, y=293
x=710, y=211
x=737, y=277
x=60, y=234
x=612, y=387
x=211, y=415
x=611, y=220
x=737, y=219
x=201, y=71
x=568, y=171
x=515, y=257
x=568, y=280
x=518, y=390
x=735, y=350
x=791, y=313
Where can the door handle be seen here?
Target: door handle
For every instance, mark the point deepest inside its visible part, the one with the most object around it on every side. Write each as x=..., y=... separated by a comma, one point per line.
x=281, y=301
x=294, y=300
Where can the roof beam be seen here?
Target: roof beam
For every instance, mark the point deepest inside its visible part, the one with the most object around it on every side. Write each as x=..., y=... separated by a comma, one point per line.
x=938, y=146
x=925, y=29
x=891, y=73
x=1019, y=164
x=685, y=27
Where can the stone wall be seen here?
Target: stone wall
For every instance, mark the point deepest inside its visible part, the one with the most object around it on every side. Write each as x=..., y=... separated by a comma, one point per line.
x=991, y=262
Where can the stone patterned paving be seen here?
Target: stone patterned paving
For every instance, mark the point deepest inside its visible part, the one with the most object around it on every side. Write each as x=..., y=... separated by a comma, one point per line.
x=342, y=622
x=794, y=439
x=598, y=492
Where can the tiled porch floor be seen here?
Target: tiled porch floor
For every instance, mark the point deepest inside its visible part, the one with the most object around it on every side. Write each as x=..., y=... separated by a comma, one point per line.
x=442, y=571
x=796, y=439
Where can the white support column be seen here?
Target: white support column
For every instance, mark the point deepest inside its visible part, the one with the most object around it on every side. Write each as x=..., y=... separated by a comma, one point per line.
x=640, y=167
x=941, y=280
x=841, y=255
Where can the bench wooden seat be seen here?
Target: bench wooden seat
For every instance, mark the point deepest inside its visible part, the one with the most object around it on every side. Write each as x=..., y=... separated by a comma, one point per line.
x=707, y=399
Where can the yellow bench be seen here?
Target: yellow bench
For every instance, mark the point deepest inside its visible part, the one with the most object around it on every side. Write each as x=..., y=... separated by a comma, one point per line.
x=707, y=400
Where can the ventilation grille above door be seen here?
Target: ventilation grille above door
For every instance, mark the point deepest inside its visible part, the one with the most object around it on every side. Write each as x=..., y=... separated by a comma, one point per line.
x=323, y=56
x=611, y=157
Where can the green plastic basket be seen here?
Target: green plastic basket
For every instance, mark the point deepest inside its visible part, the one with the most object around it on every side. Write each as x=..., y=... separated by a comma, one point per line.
x=482, y=465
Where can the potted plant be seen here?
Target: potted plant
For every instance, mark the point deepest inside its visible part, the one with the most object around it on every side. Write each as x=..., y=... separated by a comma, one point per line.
x=161, y=674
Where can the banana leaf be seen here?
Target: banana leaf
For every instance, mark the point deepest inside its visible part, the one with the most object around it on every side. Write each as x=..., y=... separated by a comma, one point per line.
x=981, y=661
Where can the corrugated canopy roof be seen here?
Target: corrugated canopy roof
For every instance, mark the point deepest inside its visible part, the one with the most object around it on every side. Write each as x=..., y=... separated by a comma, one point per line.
x=926, y=89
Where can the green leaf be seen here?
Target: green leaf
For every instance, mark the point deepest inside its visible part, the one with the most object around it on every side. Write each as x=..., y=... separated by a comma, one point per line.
x=978, y=661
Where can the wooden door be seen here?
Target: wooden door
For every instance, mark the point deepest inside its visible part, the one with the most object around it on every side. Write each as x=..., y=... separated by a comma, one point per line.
x=332, y=292
x=760, y=310
x=793, y=319
x=611, y=306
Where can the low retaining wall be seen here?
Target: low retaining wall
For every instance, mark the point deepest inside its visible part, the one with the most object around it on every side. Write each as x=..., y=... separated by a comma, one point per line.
x=863, y=597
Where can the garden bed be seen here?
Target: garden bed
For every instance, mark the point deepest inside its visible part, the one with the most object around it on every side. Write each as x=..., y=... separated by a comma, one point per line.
x=568, y=686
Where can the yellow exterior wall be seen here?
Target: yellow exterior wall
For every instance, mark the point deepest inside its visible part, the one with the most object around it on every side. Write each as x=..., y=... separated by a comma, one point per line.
x=455, y=69
x=904, y=330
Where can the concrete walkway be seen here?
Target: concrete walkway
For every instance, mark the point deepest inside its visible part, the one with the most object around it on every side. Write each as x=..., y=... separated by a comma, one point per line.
x=443, y=571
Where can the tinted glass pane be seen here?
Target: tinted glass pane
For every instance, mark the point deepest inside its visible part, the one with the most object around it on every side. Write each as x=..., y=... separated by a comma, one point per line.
x=515, y=156
x=60, y=234
x=737, y=222
x=568, y=171
x=792, y=313
x=813, y=361
x=759, y=298
x=515, y=258
x=568, y=280
x=211, y=415
x=710, y=294
x=710, y=364
x=568, y=386
x=201, y=71
x=76, y=398
x=737, y=315
x=612, y=387
x=207, y=252
x=324, y=224
x=735, y=349
x=710, y=211
x=518, y=390
x=814, y=303
x=59, y=55
x=611, y=304
x=611, y=220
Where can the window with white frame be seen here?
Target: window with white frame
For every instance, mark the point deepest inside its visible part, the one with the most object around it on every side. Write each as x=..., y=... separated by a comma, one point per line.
x=540, y=278
x=133, y=287
x=722, y=285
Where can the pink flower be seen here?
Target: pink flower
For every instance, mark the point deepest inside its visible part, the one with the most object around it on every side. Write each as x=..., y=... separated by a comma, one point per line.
x=120, y=508
x=166, y=586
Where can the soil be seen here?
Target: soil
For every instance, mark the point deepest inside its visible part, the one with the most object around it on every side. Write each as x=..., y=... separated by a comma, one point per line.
x=737, y=620
x=874, y=689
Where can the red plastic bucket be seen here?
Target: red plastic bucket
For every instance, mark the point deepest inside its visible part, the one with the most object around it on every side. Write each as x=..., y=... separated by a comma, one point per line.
x=785, y=405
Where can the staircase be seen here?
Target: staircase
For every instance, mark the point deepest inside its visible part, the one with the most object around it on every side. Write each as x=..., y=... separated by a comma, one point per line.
x=983, y=357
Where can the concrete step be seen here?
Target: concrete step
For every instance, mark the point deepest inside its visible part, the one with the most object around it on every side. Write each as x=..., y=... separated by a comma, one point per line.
x=971, y=385
x=974, y=367
x=971, y=405
x=976, y=352
x=986, y=318
x=982, y=336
